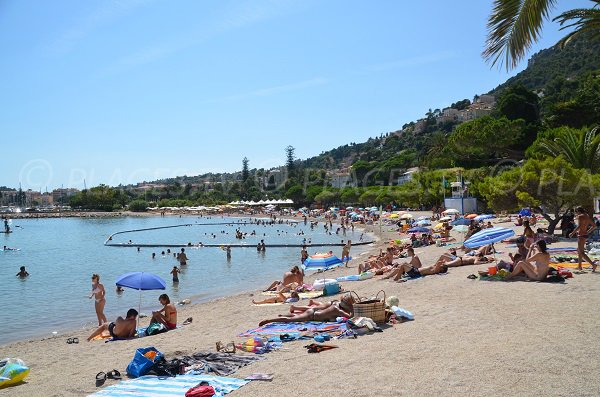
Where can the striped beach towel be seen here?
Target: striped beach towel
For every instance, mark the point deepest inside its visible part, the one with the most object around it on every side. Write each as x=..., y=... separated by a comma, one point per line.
x=153, y=386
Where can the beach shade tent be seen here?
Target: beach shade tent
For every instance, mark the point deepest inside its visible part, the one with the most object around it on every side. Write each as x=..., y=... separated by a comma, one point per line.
x=489, y=236
x=483, y=217
x=141, y=281
x=451, y=211
x=418, y=229
x=321, y=262
x=461, y=221
x=462, y=229
x=423, y=222
x=525, y=212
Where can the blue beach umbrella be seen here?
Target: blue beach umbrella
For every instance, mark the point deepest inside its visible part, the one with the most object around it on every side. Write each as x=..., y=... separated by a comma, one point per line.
x=423, y=222
x=321, y=262
x=419, y=229
x=461, y=221
x=525, y=212
x=142, y=282
x=482, y=217
x=489, y=236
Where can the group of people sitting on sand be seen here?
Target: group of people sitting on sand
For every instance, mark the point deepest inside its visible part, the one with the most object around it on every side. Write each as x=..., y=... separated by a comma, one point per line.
x=125, y=328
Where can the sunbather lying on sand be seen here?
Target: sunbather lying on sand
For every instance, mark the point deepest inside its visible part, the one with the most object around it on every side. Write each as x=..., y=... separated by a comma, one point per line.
x=295, y=275
x=344, y=308
x=467, y=260
x=120, y=328
x=280, y=298
x=413, y=272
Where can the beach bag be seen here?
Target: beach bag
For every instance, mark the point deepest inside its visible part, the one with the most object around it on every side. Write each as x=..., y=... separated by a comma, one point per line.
x=201, y=391
x=373, y=308
x=142, y=361
x=331, y=289
x=155, y=328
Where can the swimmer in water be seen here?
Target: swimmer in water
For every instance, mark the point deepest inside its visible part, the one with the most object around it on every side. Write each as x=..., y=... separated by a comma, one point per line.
x=22, y=272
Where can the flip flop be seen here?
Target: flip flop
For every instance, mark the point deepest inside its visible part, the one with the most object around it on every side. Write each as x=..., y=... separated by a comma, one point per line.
x=69, y=341
x=315, y=348
x=472, y=277
x=188, y=321
x=114, y=374
x=75, y=340
x=100, y=379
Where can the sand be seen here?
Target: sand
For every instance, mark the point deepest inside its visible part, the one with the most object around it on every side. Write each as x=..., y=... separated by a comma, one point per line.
x=469, y=337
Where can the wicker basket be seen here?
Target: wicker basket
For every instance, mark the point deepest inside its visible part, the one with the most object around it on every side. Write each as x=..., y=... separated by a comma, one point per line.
x=373, y=309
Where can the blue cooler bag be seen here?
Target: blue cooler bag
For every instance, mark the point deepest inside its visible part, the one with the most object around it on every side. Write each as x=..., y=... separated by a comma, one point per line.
x=331, y=289
x=140, y=365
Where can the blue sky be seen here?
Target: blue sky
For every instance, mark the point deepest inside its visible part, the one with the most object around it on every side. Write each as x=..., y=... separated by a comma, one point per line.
x=124, y=91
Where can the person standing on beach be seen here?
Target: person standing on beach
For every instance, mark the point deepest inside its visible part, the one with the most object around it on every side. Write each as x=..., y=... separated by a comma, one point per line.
x=585, y=228
x=346, y=252
x=182, y=258
x=175, y=272
x=98, y=293
x=303, y=255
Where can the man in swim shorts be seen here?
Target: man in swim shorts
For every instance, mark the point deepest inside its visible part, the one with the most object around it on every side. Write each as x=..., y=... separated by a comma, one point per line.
x=182, y=258
x=122, y=328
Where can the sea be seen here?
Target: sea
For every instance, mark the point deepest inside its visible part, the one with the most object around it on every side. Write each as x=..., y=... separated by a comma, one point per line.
x=61, y=254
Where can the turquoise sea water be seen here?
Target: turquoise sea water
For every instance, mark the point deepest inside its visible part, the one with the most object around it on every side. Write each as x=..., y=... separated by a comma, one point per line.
x=62, y=254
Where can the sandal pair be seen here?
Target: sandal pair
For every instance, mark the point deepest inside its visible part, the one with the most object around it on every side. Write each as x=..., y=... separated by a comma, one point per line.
x=102, y=376
x=72, y=340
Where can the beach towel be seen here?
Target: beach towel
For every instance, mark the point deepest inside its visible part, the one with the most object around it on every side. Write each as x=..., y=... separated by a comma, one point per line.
x=303, y=295
x=308, y=328
x=570, y=265
x=153, y=386
x=141, y=332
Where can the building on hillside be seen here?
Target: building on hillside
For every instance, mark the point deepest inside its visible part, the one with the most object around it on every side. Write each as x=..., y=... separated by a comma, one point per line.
x=61, y=196
x=419, y=126
x=341, y=179
x=407, y=176
x=448, y=114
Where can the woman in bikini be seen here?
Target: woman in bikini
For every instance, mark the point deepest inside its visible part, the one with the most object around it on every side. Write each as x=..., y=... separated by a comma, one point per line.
x=98, y=293
x=585, y=228
x=528, y=234
x=536, y=266
x=167, y=315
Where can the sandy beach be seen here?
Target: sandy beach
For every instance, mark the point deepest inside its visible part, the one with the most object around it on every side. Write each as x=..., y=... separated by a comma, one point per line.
x=469, y=337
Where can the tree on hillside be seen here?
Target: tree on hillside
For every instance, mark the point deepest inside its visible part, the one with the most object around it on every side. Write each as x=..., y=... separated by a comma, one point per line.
x=514, y=25
x=550, y=186
x=290, y=158
x=245, y=171
x=517, y=102
x=485, y=139
x=580, y=148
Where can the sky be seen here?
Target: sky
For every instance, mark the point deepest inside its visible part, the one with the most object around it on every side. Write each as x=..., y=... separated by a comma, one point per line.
x=124, y=91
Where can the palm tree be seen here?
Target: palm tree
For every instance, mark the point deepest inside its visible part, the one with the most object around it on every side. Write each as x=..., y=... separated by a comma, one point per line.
x=514, y=25
x=581, y=150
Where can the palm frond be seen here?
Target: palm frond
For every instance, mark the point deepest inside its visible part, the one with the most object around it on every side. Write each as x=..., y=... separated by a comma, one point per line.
x=513, y=26
x=584, y=20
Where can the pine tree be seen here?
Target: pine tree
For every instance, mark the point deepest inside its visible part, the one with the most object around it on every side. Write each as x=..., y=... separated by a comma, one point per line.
x=245, y=171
